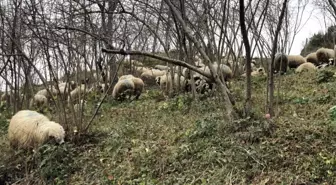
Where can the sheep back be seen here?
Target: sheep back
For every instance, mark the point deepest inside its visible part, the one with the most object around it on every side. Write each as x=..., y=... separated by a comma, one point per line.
x=324, y=54
x=125, y=86
x=295, y=61
x=29, y=129
x=306, y=67
x=312, y=58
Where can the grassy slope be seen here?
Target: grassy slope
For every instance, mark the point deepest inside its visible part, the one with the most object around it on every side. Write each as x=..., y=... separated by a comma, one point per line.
x=180, y=141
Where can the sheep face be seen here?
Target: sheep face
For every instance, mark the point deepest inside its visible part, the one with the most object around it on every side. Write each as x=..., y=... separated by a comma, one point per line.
x=56, y=132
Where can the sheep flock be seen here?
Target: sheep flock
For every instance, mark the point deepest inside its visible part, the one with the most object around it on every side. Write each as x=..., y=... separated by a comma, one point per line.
x=28, y=128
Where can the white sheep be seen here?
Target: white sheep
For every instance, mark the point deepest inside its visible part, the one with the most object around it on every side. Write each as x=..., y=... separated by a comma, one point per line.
x=125, y=76
x=29, y=129
x=307, y=66
x=45, y=93
x=224, y=71
x=152, y=73
x=39, y=101
x=64, y=88
x=161, y=67
x=149, y=76
x=78, y=91
x=166, y=83
x=138, y=84
x=295, y=61
x=140, y=70
x=312, y=58
x=123, y=88
x=324, y=54
x=258, y=72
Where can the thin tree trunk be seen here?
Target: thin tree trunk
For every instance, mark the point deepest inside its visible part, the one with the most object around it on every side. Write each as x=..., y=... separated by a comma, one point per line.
x=271, y=67
x=248, y=58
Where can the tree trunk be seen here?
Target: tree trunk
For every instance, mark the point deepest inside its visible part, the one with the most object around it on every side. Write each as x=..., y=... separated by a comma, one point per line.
x=271, y=67
x=248, y=58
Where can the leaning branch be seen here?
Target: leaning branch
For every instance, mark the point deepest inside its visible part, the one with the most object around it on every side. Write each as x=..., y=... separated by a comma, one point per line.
x=166, y=59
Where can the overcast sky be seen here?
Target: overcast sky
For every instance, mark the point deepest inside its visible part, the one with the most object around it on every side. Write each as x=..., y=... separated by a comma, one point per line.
x=314, y=24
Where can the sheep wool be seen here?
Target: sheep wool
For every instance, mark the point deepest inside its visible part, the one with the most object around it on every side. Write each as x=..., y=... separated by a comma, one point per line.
x=166, y=82
x=312, y=58
x=258, y=72
x=224, y=70
x=122, y=88
x=306, y=67
x=29, y=129
x=138, y=86
x=125, y=77
x=45, y=93
x=74, y=94
x=324, y=54
x=161, y=67
x=152, y=73
x=295, y=61
x=39, y=100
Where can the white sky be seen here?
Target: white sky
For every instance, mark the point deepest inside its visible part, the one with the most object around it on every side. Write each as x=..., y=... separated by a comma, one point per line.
x=314, y=24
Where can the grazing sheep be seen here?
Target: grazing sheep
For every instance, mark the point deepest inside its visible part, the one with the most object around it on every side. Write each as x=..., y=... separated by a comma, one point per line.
x=161, y=67
x=29, y=129
x=39, y=101
x=149, y=76
x=123, y=88
x=138, y=84
x=258, y=72
x=202, y=86
x=45, y=93
x=324, y=54
x=224, y=71
x=125, y=76
x=166, y=82
x=74, y=94
x=64, y=87
x=152, y=73
x=312, y=58
x=280, y=63
x=295, y=61
x=307, y=66
x=140, y=70
x=138, y=87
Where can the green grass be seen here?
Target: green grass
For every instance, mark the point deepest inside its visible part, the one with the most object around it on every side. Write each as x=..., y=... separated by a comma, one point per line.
x=182, y=141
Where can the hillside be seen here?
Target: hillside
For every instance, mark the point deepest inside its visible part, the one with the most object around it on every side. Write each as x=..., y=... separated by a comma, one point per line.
x=180, y=141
